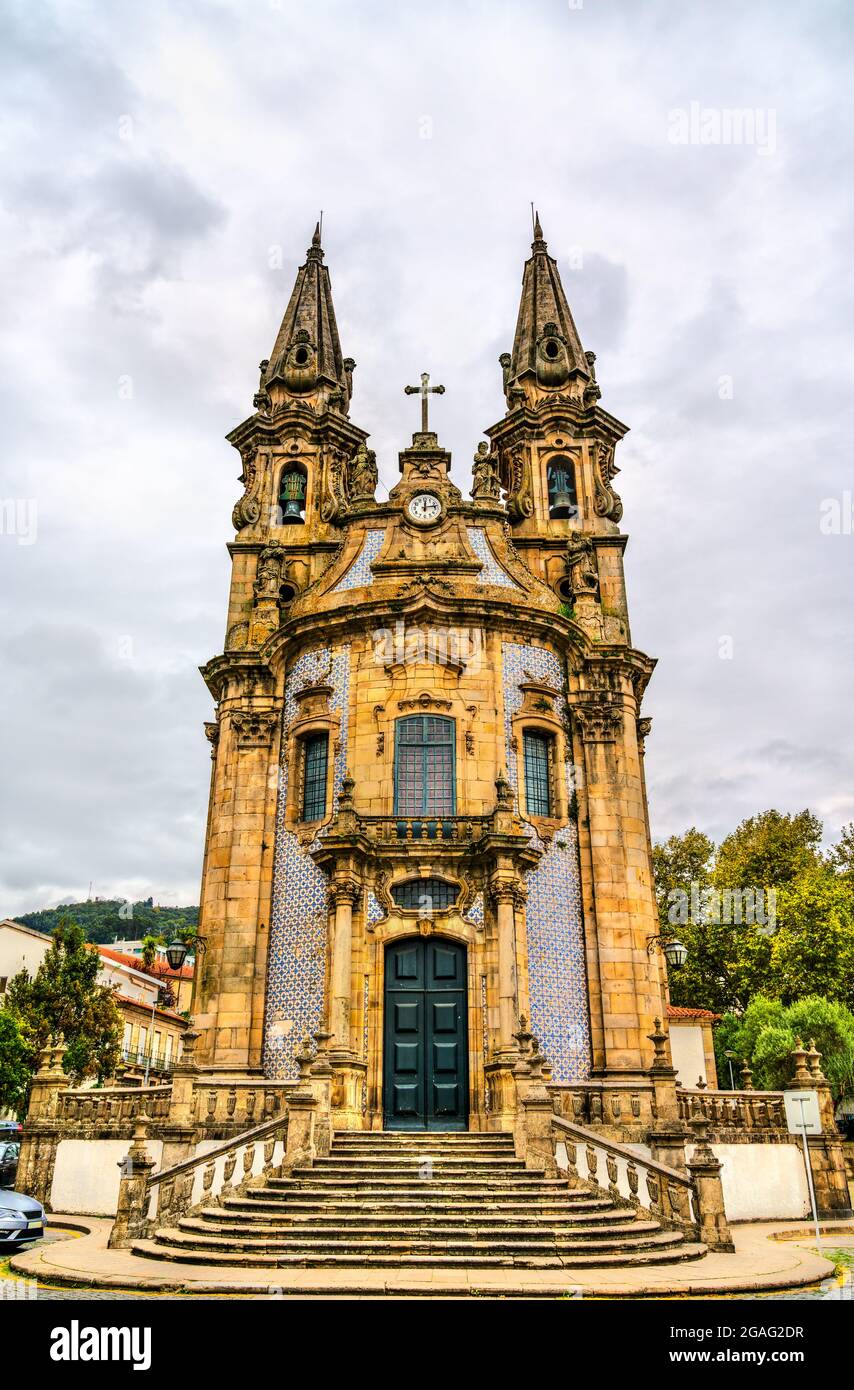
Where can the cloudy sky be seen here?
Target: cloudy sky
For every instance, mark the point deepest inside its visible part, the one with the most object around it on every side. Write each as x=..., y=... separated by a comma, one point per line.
x=163, y=168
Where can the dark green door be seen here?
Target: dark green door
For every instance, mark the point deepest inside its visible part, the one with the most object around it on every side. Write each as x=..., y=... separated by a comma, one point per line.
x=425, y=1082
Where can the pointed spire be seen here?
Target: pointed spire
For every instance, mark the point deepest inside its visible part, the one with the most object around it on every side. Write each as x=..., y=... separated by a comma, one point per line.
x=546, y=346
x=306, y=359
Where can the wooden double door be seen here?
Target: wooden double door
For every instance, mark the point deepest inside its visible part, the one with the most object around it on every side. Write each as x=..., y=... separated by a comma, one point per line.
x=425, y=1066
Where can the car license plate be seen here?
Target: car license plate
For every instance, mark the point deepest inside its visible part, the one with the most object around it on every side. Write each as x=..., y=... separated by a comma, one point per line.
x=31, y=1224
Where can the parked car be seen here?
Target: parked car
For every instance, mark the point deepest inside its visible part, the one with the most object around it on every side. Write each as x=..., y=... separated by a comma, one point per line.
x=9, y=1154
x=21, y=1220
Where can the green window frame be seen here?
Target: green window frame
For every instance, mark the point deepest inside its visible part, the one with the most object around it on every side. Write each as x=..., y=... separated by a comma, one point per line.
x=315, y=762
x=425, y=766
x=538, y=781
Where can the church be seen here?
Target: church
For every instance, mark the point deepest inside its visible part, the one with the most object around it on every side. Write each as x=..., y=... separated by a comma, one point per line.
x=427, y=831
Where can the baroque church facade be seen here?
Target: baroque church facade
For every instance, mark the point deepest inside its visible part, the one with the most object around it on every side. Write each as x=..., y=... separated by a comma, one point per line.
x=427, y=831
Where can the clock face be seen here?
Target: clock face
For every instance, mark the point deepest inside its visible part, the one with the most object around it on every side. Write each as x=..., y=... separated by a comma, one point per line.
x=424, y=507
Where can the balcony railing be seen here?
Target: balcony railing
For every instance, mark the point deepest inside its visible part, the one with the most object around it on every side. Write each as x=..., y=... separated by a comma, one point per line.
x=157, y=1061
x=459, y=830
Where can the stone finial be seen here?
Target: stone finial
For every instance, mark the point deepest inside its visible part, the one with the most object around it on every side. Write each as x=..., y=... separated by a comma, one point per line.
x=504, y=793
x=814, y=1064
x=801, y=1076
x=658, y=1038
x=700, y=1124
x=536, y=1060
x=746, y=1078
x=304, y=1058
x=522, y=1037
x=348, y=785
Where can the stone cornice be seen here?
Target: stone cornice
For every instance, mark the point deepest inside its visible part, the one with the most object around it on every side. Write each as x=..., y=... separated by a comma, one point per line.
x=530, y=422
x=296, y=419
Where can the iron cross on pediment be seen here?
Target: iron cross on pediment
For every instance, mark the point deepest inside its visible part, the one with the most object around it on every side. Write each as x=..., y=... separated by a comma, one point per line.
x=424, y=390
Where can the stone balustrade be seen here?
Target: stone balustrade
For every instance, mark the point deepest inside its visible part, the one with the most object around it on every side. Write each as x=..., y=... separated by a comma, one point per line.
x=627, y=1177
x=743, y=1111
x=114, y=1107
x=458, y=830
x=223, y=1108
x=690, y=1200
x=148, y=1199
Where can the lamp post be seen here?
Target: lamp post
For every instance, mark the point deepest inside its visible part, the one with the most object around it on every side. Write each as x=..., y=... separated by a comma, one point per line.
x=177, y=951
x=671, y=948
x=731, y=1056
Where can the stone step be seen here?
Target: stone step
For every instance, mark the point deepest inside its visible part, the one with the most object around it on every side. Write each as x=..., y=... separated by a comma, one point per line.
x=188, y=1254
x=307, y=1179
x=403, y=1245
x=285, y=1202
x=383, y=1168
x=206, y=1223
x=379, y=1215
x=451, y=1138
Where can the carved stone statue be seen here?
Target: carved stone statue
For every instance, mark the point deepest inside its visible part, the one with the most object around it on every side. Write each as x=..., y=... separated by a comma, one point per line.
x=362, y=475
x=485, y=475
x=268, y=575
x=581, y=565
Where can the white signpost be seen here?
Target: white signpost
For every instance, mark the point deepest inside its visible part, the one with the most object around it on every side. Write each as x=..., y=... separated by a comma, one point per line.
x=803, y=1117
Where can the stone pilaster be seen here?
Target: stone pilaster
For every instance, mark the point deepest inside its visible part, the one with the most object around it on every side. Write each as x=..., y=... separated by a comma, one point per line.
x=622, y=893
x=237, y=886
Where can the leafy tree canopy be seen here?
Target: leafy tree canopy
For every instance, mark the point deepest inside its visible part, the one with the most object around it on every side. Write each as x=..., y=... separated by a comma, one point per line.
x=102, y=920
x=64, y=996
x=765, y=1034
x=763, y=913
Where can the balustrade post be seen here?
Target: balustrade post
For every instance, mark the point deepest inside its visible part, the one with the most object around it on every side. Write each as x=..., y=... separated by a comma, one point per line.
x=303, y=1106
x=705, y=1171
x=827, y=1156
x=668, y=1133
x=131, y=1221
x=535, y=1114
x=321, y=1082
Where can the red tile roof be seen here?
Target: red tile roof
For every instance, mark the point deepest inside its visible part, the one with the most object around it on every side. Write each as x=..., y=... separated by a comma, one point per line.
x=160, y=970
x=678, y=1011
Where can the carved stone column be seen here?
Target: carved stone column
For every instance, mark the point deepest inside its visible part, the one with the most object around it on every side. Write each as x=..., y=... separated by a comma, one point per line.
x=342, y=895
x=504, y=896
x=348, y=1069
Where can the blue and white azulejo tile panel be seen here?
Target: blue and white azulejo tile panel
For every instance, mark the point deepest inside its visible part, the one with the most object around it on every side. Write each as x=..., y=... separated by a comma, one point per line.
x=359, y=574
x=557, y=976
x=296, y=964
x=492, y=573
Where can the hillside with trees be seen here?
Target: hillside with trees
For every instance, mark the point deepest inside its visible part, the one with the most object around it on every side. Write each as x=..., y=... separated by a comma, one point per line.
x=104, y=919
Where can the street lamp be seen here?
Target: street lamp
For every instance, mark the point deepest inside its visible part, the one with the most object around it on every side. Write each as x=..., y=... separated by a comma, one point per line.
x=674, y=952
x=176, y=951
x=731, y=1057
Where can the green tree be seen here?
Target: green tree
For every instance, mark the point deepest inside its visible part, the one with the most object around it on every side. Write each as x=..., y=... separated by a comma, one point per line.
x=15, y=1063
x=64, y=996
x=765, y=1034
x=812, y=950
x=768, y=850
x=149, y=949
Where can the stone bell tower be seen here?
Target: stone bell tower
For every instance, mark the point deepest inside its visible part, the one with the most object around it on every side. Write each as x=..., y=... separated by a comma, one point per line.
x=427, y=814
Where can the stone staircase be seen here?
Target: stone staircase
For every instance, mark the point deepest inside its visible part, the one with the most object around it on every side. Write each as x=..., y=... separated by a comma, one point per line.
x=406, y=1200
